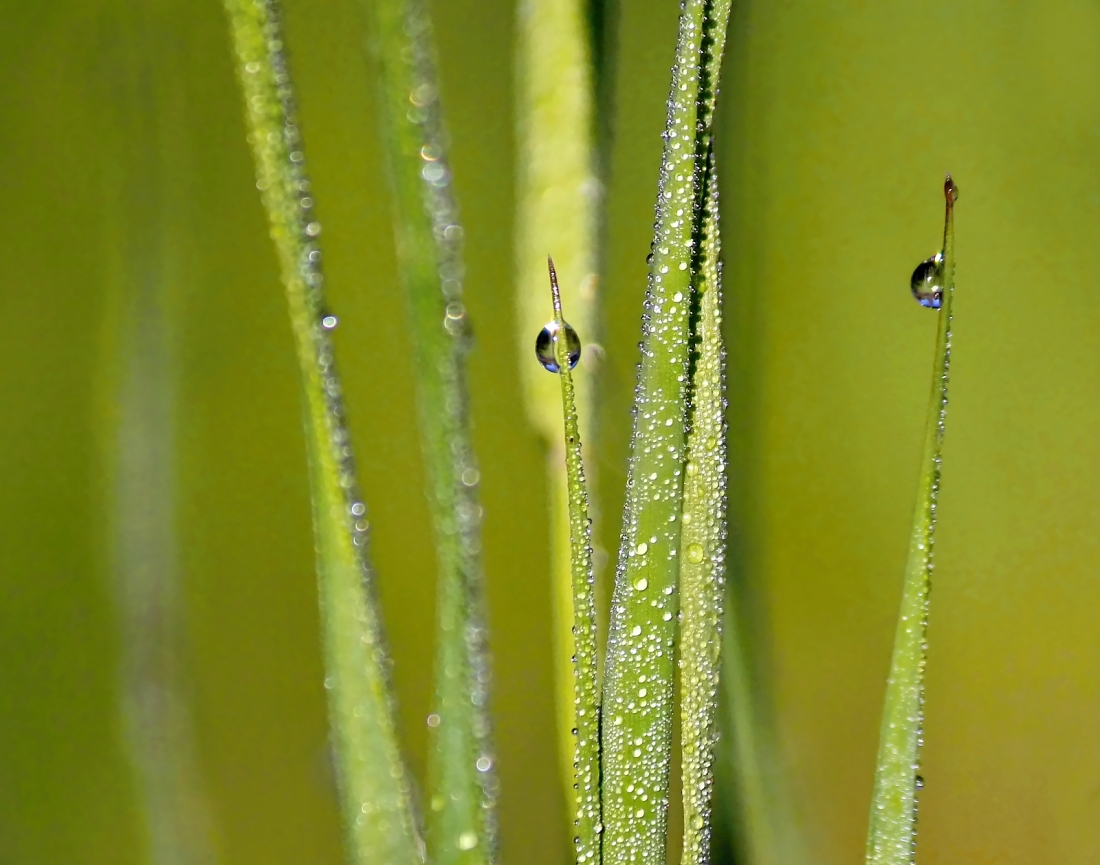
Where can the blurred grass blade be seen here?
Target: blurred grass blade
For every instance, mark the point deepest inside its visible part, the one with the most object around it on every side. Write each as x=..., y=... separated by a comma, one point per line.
x=891, y=837
x=144, y=241
x=379, y=818
x=558, y=198
x=703, y=541
x=638, y=687
x=462, y=820
x=586, y=729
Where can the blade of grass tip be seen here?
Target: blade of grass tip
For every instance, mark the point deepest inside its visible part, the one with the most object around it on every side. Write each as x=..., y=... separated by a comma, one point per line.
x=380, y=821
x=703, y=543
x=637, y=709
x=586, y=729
x=891, y=837
x=557, y=202
x=703, y=532
x=462, y=818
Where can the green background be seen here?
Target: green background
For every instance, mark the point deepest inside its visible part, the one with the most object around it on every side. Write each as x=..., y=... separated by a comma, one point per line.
x=124, y=174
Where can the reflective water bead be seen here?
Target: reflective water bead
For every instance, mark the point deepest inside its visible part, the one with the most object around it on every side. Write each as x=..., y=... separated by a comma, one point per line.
x=467, y=841
x=544, y=346
x=927, y=282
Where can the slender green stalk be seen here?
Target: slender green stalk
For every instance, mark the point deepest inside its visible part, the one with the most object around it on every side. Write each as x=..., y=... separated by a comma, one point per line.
x=380, y=821
x=638, y=692
x=557, y=199
x=586, y=720
x=703, y=542
x=462, y=820
x=891, y=837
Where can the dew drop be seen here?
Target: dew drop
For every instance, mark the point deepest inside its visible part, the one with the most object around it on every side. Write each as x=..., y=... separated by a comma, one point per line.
x=467, y=841
x=927, y=282
x=641, y=584
x=695, y=553
x=544, y=346
x=329, y=322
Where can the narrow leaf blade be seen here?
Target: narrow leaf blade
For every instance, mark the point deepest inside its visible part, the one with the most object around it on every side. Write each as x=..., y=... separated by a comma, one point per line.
x=891, y=836
x=703, y=543
x=462, y=776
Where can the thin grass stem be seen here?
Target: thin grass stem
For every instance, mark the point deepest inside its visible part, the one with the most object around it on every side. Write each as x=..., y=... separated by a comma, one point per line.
x=380, y=821
x=585, y=733
x=891, y=837
x=462, y=775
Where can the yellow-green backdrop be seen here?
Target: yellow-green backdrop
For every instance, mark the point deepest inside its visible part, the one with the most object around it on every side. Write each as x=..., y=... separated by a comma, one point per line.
x=123, y=170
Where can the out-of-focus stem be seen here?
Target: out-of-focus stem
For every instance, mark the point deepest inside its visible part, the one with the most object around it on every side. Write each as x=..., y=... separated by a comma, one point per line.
x=380, y=821
x=557, y=203
x=462, y=816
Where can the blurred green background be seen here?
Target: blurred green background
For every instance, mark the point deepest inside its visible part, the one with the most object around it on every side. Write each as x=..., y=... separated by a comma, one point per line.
x=128, y=209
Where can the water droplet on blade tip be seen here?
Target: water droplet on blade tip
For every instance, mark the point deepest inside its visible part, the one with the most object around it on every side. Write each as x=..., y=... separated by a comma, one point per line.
x=544, y=346
x=927, y=282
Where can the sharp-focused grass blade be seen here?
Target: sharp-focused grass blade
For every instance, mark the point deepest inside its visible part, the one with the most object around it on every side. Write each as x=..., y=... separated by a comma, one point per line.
x=703, y=541
x=379, y=818
x=891, y=837
x=585, y=715
x=703, y=533
x=557, y=203
x=637, y=709
x=462, y=817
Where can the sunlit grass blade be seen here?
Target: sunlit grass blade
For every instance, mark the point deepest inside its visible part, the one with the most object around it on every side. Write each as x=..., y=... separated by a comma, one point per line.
x=891, y=837
x=637, y=709
x=703, y=541
x=557, y=200
x=380, y=821
x=585, y=734
x=462, y=817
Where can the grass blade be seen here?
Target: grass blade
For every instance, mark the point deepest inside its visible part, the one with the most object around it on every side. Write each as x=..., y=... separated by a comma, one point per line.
x=703, y=542
x=379, y=819
x=638, y=690
x=703, y=538
x=557, y=202
x=145, y=243
x=585, y=715
x=462, y=819
x=891, y=837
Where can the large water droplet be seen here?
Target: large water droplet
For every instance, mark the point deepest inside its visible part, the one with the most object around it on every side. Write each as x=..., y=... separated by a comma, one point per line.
x=544, y=346
x=695, y=553
x=927, y=282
